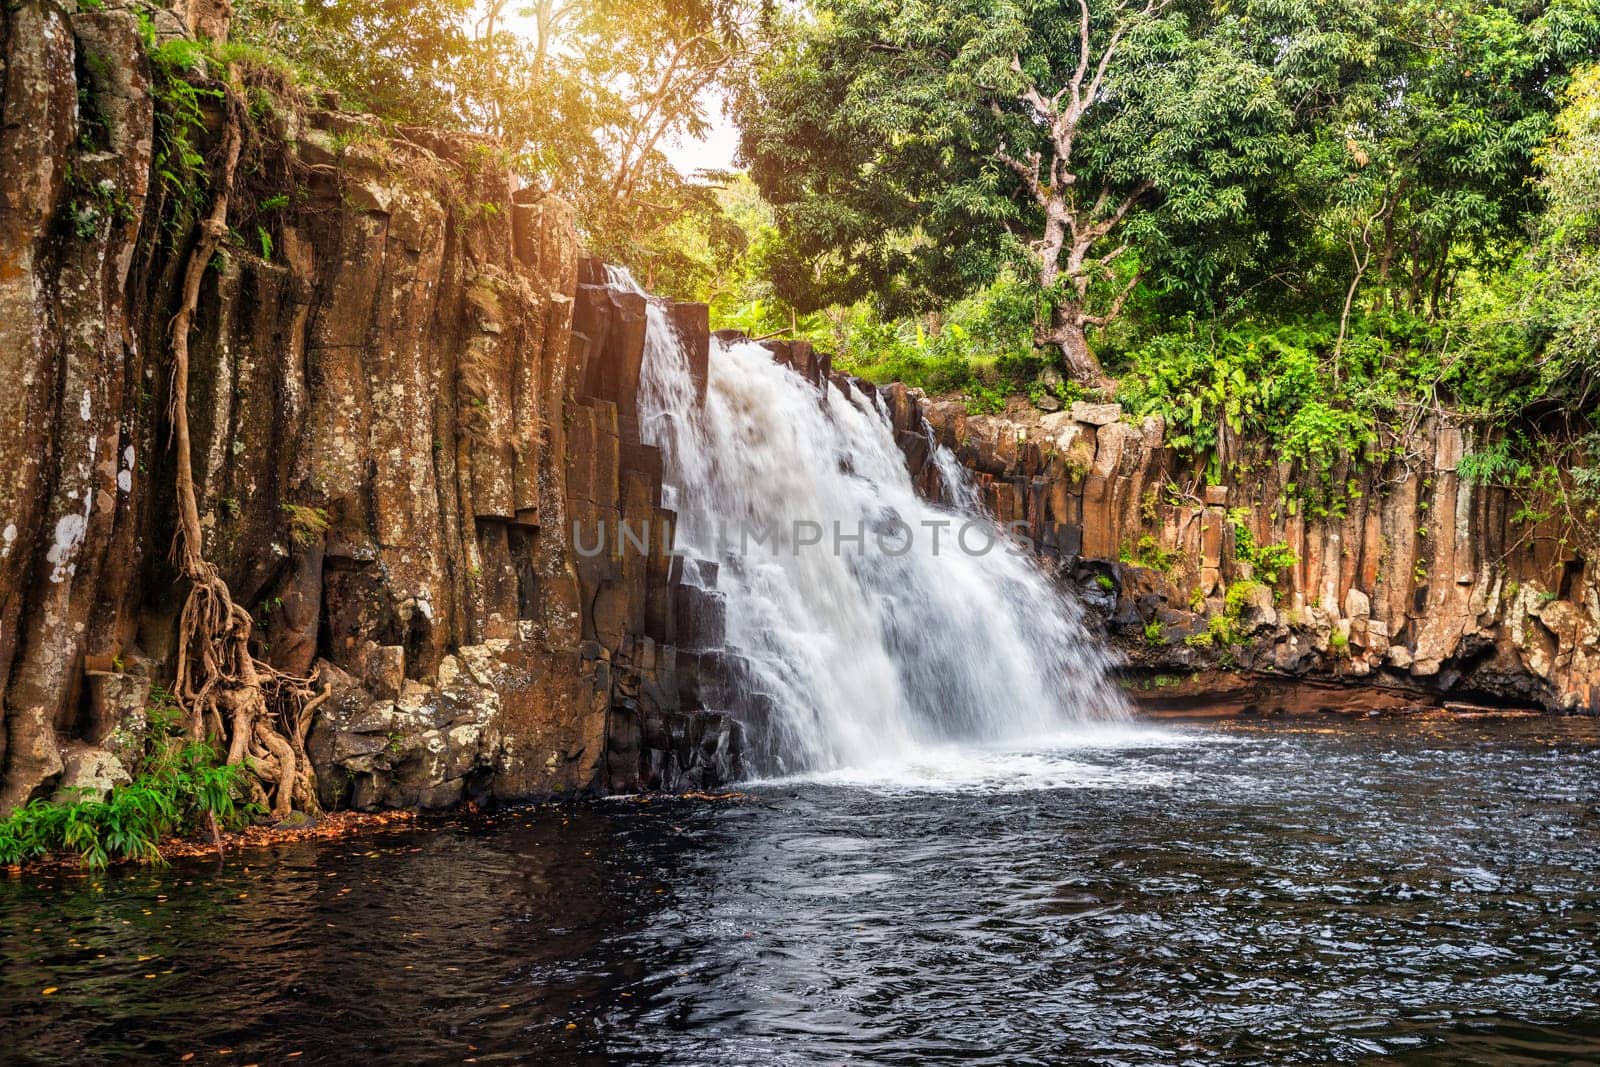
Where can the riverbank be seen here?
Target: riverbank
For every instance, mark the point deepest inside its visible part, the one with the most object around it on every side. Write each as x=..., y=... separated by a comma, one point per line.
x=231, y=843
x=1248, y=694
x=240, y=844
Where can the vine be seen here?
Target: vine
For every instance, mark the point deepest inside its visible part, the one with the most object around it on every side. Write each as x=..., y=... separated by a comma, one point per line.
x=259, y=714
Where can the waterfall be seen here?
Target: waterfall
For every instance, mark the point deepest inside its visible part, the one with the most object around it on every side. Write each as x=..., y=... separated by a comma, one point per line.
x=862, y=650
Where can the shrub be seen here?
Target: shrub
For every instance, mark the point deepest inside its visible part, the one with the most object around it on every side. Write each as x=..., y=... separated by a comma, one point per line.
x=1267, y=561
x=179, y=784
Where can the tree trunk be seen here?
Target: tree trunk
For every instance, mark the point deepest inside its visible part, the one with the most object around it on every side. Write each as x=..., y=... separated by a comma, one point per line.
x=1066, y=332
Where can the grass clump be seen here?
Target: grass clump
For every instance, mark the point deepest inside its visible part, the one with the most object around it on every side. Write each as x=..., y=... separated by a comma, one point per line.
x=181, y=785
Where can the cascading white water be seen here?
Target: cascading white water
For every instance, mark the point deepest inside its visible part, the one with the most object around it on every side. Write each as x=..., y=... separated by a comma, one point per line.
x=868, y=651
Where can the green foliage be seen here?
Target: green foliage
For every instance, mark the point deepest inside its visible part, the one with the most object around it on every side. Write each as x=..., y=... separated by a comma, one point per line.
x=1211, y=384
x=1318, y=260
x=982, y=345
x=1564, y=300
x=180, y=783
x=881, y=133
x=1224, y=630
x=1147, y=552
x=1238, y=595
x=1498, y=464
x=179, y=69
x=583, y=97
x=1267, y=562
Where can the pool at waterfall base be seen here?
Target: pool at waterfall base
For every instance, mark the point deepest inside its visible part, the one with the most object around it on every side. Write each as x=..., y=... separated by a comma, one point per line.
x=1233, y=891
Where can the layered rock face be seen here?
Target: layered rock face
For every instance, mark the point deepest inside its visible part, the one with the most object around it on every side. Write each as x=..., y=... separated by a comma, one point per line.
x=1416, y=586
x=407, y=386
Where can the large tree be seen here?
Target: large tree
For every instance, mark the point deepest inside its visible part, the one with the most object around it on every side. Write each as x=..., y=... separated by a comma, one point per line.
x=913, y=149
x=585, y=95
x=1250, y=151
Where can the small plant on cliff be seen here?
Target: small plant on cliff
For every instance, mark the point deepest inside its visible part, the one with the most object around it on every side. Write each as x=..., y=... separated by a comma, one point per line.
x=985, y=399
x=1221, y=631
x=180, y=114
x=1238, y=595
x=306, y=525
x=1224, y=630
x=1269, y=562
x=1147, y=552
x=1153, y=633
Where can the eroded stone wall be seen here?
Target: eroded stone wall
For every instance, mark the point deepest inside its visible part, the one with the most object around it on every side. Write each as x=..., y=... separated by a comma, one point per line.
x=405, y=388
x=1415, y=586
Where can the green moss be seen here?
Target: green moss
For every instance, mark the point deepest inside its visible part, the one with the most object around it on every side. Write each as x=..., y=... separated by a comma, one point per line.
x=306, y=525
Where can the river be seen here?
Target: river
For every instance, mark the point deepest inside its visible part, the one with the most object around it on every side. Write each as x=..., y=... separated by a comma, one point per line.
x=1234, y=891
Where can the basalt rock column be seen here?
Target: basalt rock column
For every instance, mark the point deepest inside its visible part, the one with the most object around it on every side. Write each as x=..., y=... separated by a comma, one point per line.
x=393, y=421
x=1416, y=586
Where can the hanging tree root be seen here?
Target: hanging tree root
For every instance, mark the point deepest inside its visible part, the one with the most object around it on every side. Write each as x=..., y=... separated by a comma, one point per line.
x=256, y=712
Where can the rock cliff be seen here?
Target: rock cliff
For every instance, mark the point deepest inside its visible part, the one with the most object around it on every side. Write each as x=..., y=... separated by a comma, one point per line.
x=406, y=385
x=1406, y=584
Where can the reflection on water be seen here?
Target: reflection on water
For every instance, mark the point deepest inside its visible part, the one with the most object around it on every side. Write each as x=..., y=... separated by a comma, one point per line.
x=1232, y=892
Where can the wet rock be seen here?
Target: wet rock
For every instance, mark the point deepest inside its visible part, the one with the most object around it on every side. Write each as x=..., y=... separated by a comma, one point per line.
x=1417, y=573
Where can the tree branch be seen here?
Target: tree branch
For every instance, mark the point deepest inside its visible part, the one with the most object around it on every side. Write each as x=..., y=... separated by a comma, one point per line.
x=1116, y=304
x=1031, y=96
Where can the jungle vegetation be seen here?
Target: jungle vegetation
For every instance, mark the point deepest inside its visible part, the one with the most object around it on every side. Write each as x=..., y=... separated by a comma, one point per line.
x=1293, y=220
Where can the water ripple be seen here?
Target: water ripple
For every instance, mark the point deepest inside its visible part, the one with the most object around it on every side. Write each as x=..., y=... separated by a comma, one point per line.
x=1228, y=893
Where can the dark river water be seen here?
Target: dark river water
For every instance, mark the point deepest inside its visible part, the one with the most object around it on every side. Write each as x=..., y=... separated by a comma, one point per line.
x=1295, y=892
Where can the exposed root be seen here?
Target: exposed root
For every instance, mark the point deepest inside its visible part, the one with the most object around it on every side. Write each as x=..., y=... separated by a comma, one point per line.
x=258, y=713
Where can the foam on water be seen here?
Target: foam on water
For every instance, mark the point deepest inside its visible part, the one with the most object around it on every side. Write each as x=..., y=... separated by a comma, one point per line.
x=865, y=658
